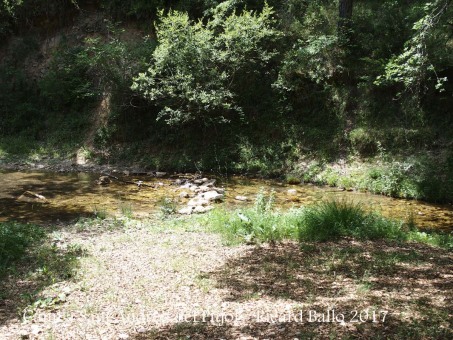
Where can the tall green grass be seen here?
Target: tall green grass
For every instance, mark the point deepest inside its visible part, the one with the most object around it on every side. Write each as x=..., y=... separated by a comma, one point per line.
x=335, y=219
x=325, y=221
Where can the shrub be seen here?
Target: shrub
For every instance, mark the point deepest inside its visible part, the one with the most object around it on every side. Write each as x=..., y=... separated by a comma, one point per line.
x=198, y=66
x=15, y=238
x=362, y=142
x=167, y=206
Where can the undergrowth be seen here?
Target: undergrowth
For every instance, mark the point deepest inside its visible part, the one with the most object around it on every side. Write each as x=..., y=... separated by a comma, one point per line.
x=325, y=221
x=15, y=239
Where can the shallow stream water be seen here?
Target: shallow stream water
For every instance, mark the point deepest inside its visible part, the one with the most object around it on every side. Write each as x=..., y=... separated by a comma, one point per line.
x=72, y=195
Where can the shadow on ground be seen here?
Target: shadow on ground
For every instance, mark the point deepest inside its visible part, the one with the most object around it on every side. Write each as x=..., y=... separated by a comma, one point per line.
x=46, y=261
x=410, y=281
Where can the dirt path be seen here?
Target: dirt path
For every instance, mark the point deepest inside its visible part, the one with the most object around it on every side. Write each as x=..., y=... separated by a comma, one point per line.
x=139, y=282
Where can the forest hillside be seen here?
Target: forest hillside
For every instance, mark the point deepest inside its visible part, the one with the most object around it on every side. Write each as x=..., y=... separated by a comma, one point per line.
x=354, y=94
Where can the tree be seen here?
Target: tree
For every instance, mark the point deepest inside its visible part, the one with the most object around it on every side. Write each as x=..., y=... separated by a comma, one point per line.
x=345, y=19
x=415, y=65
x=346, y=9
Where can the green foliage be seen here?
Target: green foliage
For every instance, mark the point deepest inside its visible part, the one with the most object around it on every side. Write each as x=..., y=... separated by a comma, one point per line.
x=140, y=9
x=7, y=14
x=332, y=220
x=198, y=66
x=442, y=240
x=362, y=142
x=395, y=181
x=263, y=158
x=414, y=65
x=148, y=9
x=258, y=224
x=280, y=76
x=315, y=59
x=19, y=14
x=167, y=206
x=325, y=221
x=67, y=83
x=15, y=239
x=292, y=179
x=112, y=62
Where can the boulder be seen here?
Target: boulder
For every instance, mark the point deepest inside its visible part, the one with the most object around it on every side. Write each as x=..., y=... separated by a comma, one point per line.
x=186, y=210
x=184, y=194
x=241, y=198
x=201, y=210
x=185, y=186
x=31, y=197
x=210, y=183
x=212, y=196
x=104, y=180
x=202, y=189
x=292, y=192
x=201, y=181
x=198, y=201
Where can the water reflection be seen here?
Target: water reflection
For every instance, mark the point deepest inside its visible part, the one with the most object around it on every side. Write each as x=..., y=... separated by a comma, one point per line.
x=72, y=195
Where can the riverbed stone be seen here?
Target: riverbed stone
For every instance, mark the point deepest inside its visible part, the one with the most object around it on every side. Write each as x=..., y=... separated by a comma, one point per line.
x=241, y=198
x=186, y=210
x=212, y=196
x=184, y=194
x=202, y=189
x=202, y=210
x=198, y=201
x=210, y=183
x=104, y=180
x=292, y=192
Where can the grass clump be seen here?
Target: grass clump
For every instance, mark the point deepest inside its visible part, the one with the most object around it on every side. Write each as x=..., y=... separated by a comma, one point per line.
x=335, y=219
x=15, y=239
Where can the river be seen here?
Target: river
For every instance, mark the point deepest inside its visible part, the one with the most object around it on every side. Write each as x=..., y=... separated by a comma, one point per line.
x=72, y=195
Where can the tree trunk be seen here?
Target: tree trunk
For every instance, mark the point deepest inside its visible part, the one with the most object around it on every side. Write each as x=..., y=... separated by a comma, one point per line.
x=345, y=9
x=345, y=19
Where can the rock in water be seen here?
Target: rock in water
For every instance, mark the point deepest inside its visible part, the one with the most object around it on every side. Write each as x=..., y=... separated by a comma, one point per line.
x=202, y=210
x=212, y=196
x=198, y=201
x=241, y=198
x=29, y=196
x=104, y=180
x=186, y=210
x=184, y=194
x=292, y=192
x=210, y=183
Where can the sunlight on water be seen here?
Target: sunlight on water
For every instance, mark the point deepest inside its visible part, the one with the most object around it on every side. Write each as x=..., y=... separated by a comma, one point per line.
x=71, y=195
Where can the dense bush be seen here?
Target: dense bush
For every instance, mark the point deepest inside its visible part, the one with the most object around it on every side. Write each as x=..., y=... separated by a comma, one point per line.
x=198, y=67
x=15, y=238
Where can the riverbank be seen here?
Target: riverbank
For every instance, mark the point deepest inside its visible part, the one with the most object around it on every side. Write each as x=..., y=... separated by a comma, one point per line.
x=427, y=177
x=153, y=279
